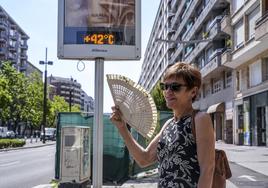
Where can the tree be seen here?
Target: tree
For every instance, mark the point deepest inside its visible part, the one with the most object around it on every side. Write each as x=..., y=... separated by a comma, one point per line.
x=34, y=101
x=158, y=97
x=5, y=98
x=16, y=83
x=58, y=104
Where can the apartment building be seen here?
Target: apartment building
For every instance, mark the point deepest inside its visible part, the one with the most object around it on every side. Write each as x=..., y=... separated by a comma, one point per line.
x=249, y=59
x=87, y=102
x=188, y=20
x=13, y=42
x=68, y=88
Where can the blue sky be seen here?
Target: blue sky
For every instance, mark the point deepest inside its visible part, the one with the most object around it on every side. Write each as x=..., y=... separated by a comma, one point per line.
x=38, y=18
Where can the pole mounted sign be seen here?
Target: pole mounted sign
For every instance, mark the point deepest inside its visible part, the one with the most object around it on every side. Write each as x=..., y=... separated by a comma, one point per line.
x=110, y=29
x=99, y=30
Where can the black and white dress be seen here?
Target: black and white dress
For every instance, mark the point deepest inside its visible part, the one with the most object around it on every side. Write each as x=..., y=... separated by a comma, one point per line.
x=177, y=155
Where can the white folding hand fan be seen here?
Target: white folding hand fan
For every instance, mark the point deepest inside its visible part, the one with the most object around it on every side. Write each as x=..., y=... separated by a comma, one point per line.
x=135, y=103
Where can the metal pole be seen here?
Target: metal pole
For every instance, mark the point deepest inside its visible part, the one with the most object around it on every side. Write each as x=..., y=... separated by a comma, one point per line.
x=98, y=124
x=45, y=102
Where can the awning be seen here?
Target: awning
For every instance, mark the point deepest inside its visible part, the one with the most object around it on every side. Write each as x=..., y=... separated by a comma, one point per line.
x=219, y=107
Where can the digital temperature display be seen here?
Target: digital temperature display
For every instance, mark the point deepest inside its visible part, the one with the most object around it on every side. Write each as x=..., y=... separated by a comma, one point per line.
x=99, y=39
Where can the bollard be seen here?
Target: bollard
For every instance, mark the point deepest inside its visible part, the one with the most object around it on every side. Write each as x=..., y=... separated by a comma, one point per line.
x=31, y=139
x=25, y=138
x=36, y=138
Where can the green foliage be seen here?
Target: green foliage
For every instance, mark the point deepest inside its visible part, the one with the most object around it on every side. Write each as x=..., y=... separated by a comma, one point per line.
x=21, y=99
x=11, y=143
x=159, y=98
x=34, y=101
x=57, y=105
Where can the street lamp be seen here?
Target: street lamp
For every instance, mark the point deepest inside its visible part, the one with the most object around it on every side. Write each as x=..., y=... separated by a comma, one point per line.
x=183, y=42
x=44, y=121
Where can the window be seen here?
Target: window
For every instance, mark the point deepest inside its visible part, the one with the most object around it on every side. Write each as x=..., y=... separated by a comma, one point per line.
x=255, y=76
x=228, y=79
x=216, y=86
x=239, y=34
x=209, y=52
x=237, y=4
x=252, y=17
x=265, y=69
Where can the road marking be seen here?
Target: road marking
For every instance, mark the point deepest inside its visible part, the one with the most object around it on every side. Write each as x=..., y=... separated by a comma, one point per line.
x=251, y=178
x=9, y=163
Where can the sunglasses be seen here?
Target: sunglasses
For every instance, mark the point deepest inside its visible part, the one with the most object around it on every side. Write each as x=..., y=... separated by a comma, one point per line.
x=172, y=86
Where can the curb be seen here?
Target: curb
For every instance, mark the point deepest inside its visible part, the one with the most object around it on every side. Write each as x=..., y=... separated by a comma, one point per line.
x=26, y=147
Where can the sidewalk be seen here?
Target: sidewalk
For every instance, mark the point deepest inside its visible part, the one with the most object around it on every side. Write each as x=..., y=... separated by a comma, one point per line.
x=252, y=157
x=31, y=143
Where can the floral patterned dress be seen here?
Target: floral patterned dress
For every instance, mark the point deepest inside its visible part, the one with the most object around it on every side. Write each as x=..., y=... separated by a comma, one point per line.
x=177, y=155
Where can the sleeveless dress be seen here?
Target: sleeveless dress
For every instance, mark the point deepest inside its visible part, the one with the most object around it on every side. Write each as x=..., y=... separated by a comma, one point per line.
x=177, y=155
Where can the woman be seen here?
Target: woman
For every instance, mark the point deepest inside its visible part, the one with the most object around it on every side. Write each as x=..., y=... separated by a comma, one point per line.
x=184, y=160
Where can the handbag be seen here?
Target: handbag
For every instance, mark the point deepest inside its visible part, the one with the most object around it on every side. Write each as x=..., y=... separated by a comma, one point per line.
x=222, y=169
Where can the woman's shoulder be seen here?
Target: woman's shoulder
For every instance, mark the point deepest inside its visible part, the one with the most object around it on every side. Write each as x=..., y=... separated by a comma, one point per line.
x=202, y=118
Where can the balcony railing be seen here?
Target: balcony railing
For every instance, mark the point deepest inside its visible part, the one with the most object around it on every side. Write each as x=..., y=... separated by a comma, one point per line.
x=261, y=27
x=175, y=19
x=196, y=25
x=186, y=18
x=201, y=19
x=226, y=56
x=24, y=46
x=215, y=62
x=3, y=24
x=226, y=24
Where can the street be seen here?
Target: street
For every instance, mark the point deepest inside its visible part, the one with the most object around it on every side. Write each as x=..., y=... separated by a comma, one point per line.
x=25, y=168
x=246, y=178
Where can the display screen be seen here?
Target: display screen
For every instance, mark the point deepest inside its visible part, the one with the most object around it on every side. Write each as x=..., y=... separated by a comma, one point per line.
x=99, y=22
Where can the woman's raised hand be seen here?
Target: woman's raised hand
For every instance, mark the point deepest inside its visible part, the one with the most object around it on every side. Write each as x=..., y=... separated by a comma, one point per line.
x=116, y=117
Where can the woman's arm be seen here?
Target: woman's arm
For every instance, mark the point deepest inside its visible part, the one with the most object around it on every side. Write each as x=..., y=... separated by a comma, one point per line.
x=205, y=149
x=144, y=157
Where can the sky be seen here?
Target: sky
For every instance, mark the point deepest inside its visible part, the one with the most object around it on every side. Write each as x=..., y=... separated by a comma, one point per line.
x=38, y=19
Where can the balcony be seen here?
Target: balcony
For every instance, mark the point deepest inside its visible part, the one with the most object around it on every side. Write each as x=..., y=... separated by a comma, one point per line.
x=196, y=51
x=12, y=48
x=24, y=46
x=226, y=57
x=13, y=37
x=261, y=32
x=187, y=15
x=174, y=4
x=204, y=14
x=175, y=19
x=23, y=68
x=2, y=50
x=176, y=53
x=3, y=25
x=23, y=56
x=214, y=30
x=213, y=64
x=226, y=24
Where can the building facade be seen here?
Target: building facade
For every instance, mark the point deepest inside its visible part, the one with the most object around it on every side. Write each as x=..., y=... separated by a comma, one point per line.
x=189, y=20
x=68, y=88
x=87, y=103
x=13, y=42
x=249, y=60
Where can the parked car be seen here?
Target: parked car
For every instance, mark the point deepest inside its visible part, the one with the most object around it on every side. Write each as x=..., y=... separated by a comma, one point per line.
x=11, y=134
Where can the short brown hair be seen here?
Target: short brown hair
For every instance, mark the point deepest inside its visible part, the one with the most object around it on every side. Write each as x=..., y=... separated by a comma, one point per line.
x=190, y=74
